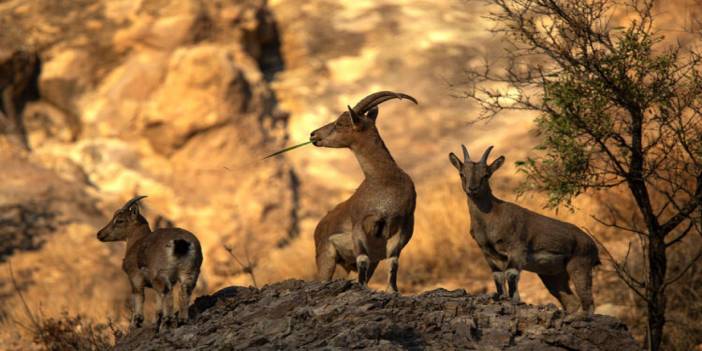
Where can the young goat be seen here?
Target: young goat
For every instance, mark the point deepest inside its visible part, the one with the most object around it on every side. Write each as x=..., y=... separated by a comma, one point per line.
x=513, y=238
x=377, y=221
x=157, y=260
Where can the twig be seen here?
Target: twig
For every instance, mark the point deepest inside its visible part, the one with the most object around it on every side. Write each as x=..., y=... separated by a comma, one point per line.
x=630, y=281
x=247, y=268
x=27, y=310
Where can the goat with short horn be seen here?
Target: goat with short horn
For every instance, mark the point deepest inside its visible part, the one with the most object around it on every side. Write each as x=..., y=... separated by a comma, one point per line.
x=158, y=260
x=377, y=221
x=513, y=239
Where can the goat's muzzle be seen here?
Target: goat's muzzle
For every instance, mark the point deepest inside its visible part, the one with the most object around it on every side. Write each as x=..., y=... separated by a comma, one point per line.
x=315, y=138
x=101, y=235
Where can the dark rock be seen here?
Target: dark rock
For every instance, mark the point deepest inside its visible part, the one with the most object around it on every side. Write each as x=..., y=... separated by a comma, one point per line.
x=293, y=315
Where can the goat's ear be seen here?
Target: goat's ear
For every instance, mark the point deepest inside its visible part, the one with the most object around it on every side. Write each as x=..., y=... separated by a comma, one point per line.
x=496, y=164
x=134, y=211
x=355, y=117
x=455, y=161
x=373, y=113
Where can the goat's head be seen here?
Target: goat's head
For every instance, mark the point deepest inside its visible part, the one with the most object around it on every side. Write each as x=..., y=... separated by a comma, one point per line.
x=123, y=222
x=475, y=176
x=356, y=123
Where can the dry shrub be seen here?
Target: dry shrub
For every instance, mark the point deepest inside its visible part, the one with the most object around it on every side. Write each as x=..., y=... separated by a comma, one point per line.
x=74, y=333
x=65, y=332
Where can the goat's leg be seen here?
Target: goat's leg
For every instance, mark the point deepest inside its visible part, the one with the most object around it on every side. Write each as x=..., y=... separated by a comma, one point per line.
x=517, y=260
x=138, y=306
x=498, y=274
x=394, y=250
x=360, y=250
x=392, y=279
x=187, y=285
x=137, y=302
x=159, y=308
x=164, y=301
x=362, y=263
x=558, y=286
x=499, y=278
x=326, y=262
x=512, y=276
x=168, y=318
x=580, y=271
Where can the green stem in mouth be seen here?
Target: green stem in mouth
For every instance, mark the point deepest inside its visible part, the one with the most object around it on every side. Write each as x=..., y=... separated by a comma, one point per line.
x=287, y=149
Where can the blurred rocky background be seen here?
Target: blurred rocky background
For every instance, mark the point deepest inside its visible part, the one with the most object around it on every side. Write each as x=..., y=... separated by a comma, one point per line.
x=180, y=100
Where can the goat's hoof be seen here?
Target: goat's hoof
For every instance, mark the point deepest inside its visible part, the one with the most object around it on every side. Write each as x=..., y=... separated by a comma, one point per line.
x=515, y=300
x=498, y=297
x=182, y=318
x=137, y=322
x=168, y=323
x=182, y=321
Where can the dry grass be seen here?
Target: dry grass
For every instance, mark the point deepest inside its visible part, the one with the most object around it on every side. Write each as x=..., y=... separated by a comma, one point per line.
x=63, y=332
x=75, y=333
x=684, y=307
x=684, y=330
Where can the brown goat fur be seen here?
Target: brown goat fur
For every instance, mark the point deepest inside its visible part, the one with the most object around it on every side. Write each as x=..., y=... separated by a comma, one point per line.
x=158, y=260
x=513, y=239
x=377, y=221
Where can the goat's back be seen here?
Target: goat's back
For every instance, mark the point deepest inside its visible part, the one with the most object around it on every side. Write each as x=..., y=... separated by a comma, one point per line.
x=553, y=235
x=170, y=249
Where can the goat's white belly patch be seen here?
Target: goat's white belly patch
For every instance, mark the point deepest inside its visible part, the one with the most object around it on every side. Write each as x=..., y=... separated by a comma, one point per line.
x=378, y=248
x=545, y=263
x=344, y=246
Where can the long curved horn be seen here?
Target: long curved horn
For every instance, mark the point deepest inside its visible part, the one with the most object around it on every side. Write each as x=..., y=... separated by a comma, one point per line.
x=483, y=159
x=133, y=201
x=466, y=158
x=376, y=99
x=354, y=116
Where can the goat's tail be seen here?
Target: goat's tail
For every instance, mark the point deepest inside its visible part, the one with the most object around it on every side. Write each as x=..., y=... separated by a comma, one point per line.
x=181, y=247
x=596, y=259
x=593, y=252
x=592, y=248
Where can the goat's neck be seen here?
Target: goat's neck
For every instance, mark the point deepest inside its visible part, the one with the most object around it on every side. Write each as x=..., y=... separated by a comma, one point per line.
x=482, y=203
x=137, y=235
x=374, y=158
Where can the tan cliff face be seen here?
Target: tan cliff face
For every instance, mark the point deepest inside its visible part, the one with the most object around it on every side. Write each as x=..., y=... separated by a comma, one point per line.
x=179, y=100
x=168, y=100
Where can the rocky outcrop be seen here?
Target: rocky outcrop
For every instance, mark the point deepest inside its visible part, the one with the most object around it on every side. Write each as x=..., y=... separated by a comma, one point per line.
x=294, y=315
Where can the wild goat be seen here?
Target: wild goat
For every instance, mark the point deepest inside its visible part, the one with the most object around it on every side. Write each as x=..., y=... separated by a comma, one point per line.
x=377, y=221
x=156, y=260
x=513, y=238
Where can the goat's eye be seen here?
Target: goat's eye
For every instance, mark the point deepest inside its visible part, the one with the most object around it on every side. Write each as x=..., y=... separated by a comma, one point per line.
x=119, y=221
